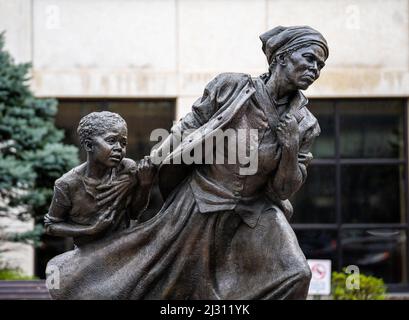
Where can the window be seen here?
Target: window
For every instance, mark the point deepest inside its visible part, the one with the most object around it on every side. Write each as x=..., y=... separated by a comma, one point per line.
x=353, y=206
x=141, y=116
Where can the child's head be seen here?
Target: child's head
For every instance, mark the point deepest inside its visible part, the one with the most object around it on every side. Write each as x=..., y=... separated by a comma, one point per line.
x=104, y=136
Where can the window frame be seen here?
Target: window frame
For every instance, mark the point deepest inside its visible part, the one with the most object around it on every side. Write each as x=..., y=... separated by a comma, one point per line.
x=338, y=163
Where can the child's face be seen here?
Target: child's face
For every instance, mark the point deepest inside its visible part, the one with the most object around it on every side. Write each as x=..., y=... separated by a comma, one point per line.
x=109, y=148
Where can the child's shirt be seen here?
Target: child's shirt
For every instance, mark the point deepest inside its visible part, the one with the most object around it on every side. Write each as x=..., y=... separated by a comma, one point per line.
x=76, y=194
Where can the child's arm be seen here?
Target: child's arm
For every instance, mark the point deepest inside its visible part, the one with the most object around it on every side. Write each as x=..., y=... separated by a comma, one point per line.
x=65, y=229
x=56, y=220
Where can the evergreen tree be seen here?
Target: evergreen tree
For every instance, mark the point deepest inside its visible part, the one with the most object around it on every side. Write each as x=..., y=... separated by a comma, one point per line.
x=32, y=156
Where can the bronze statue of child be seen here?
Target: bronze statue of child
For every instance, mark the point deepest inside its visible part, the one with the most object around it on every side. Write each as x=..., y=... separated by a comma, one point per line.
x=102, y=195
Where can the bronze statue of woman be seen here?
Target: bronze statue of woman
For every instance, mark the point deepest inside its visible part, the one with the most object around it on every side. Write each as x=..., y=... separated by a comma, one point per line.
x=220, y=234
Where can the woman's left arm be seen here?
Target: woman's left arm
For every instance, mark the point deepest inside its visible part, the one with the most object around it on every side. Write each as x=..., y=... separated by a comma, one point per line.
x=295, y=156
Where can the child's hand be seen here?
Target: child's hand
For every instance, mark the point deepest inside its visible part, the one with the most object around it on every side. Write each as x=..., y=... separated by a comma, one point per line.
x=103, y=222
x=146, y=171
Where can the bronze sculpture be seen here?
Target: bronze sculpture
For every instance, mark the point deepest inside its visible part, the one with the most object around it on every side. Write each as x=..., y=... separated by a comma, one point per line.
x=220, y=234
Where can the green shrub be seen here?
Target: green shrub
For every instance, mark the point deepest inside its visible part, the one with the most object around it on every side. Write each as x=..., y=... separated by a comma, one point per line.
x=370, y=288
x=14, y=274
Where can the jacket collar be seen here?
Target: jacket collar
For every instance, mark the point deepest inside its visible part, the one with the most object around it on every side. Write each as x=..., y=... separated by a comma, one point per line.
x=298, y=101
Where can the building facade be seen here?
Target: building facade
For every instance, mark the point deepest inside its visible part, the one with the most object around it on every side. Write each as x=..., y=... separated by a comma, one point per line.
x=150, y=59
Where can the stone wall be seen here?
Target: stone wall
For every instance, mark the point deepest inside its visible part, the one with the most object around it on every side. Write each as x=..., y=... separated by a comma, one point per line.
x=171, y=48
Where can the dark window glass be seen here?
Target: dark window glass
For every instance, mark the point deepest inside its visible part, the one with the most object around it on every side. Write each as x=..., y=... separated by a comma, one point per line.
x=324, y=146
x=141, y=116
x=380, y=253
x=315, y=201
x=68, y=118
x=358, y=175
x=318, y=244
x=142, y=119
x=371, y=129
x=372, y=194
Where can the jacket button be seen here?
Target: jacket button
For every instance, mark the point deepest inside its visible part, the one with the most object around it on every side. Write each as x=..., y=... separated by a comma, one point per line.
x=248, y=90
x=219, y=118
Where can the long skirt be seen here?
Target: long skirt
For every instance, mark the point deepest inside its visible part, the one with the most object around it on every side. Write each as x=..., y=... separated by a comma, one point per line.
x=184, y=254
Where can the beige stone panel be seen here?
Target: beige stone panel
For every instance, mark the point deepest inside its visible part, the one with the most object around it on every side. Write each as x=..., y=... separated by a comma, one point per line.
x=100, y=82
x=334, y=82
x=193, y=83
x=15, y=20
x=363, y=82
x=104, y=34
x=184, y=106
x=220, y=35
x=360, y=33
x=17, y=255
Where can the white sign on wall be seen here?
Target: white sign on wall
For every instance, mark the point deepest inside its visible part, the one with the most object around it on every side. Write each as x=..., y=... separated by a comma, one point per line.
x=321, y=277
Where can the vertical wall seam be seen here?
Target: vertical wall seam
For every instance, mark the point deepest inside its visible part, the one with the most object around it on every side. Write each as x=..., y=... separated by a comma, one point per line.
x=32, y=31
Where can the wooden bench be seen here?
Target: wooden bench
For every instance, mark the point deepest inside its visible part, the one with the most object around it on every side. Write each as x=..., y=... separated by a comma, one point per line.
x=24, y=290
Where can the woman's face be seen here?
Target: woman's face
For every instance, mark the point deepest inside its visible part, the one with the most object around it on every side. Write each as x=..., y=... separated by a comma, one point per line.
x=303, y=66
x=109, y=148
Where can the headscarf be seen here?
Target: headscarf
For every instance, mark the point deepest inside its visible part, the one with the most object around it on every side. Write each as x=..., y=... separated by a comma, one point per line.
x=285, y=39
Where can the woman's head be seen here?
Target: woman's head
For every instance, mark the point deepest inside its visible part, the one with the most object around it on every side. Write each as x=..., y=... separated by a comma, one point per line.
x=285, y=40
x=104, y=136
x=299, y=53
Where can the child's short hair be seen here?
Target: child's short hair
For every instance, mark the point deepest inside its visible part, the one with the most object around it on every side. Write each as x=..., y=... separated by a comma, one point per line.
x=97, y=123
